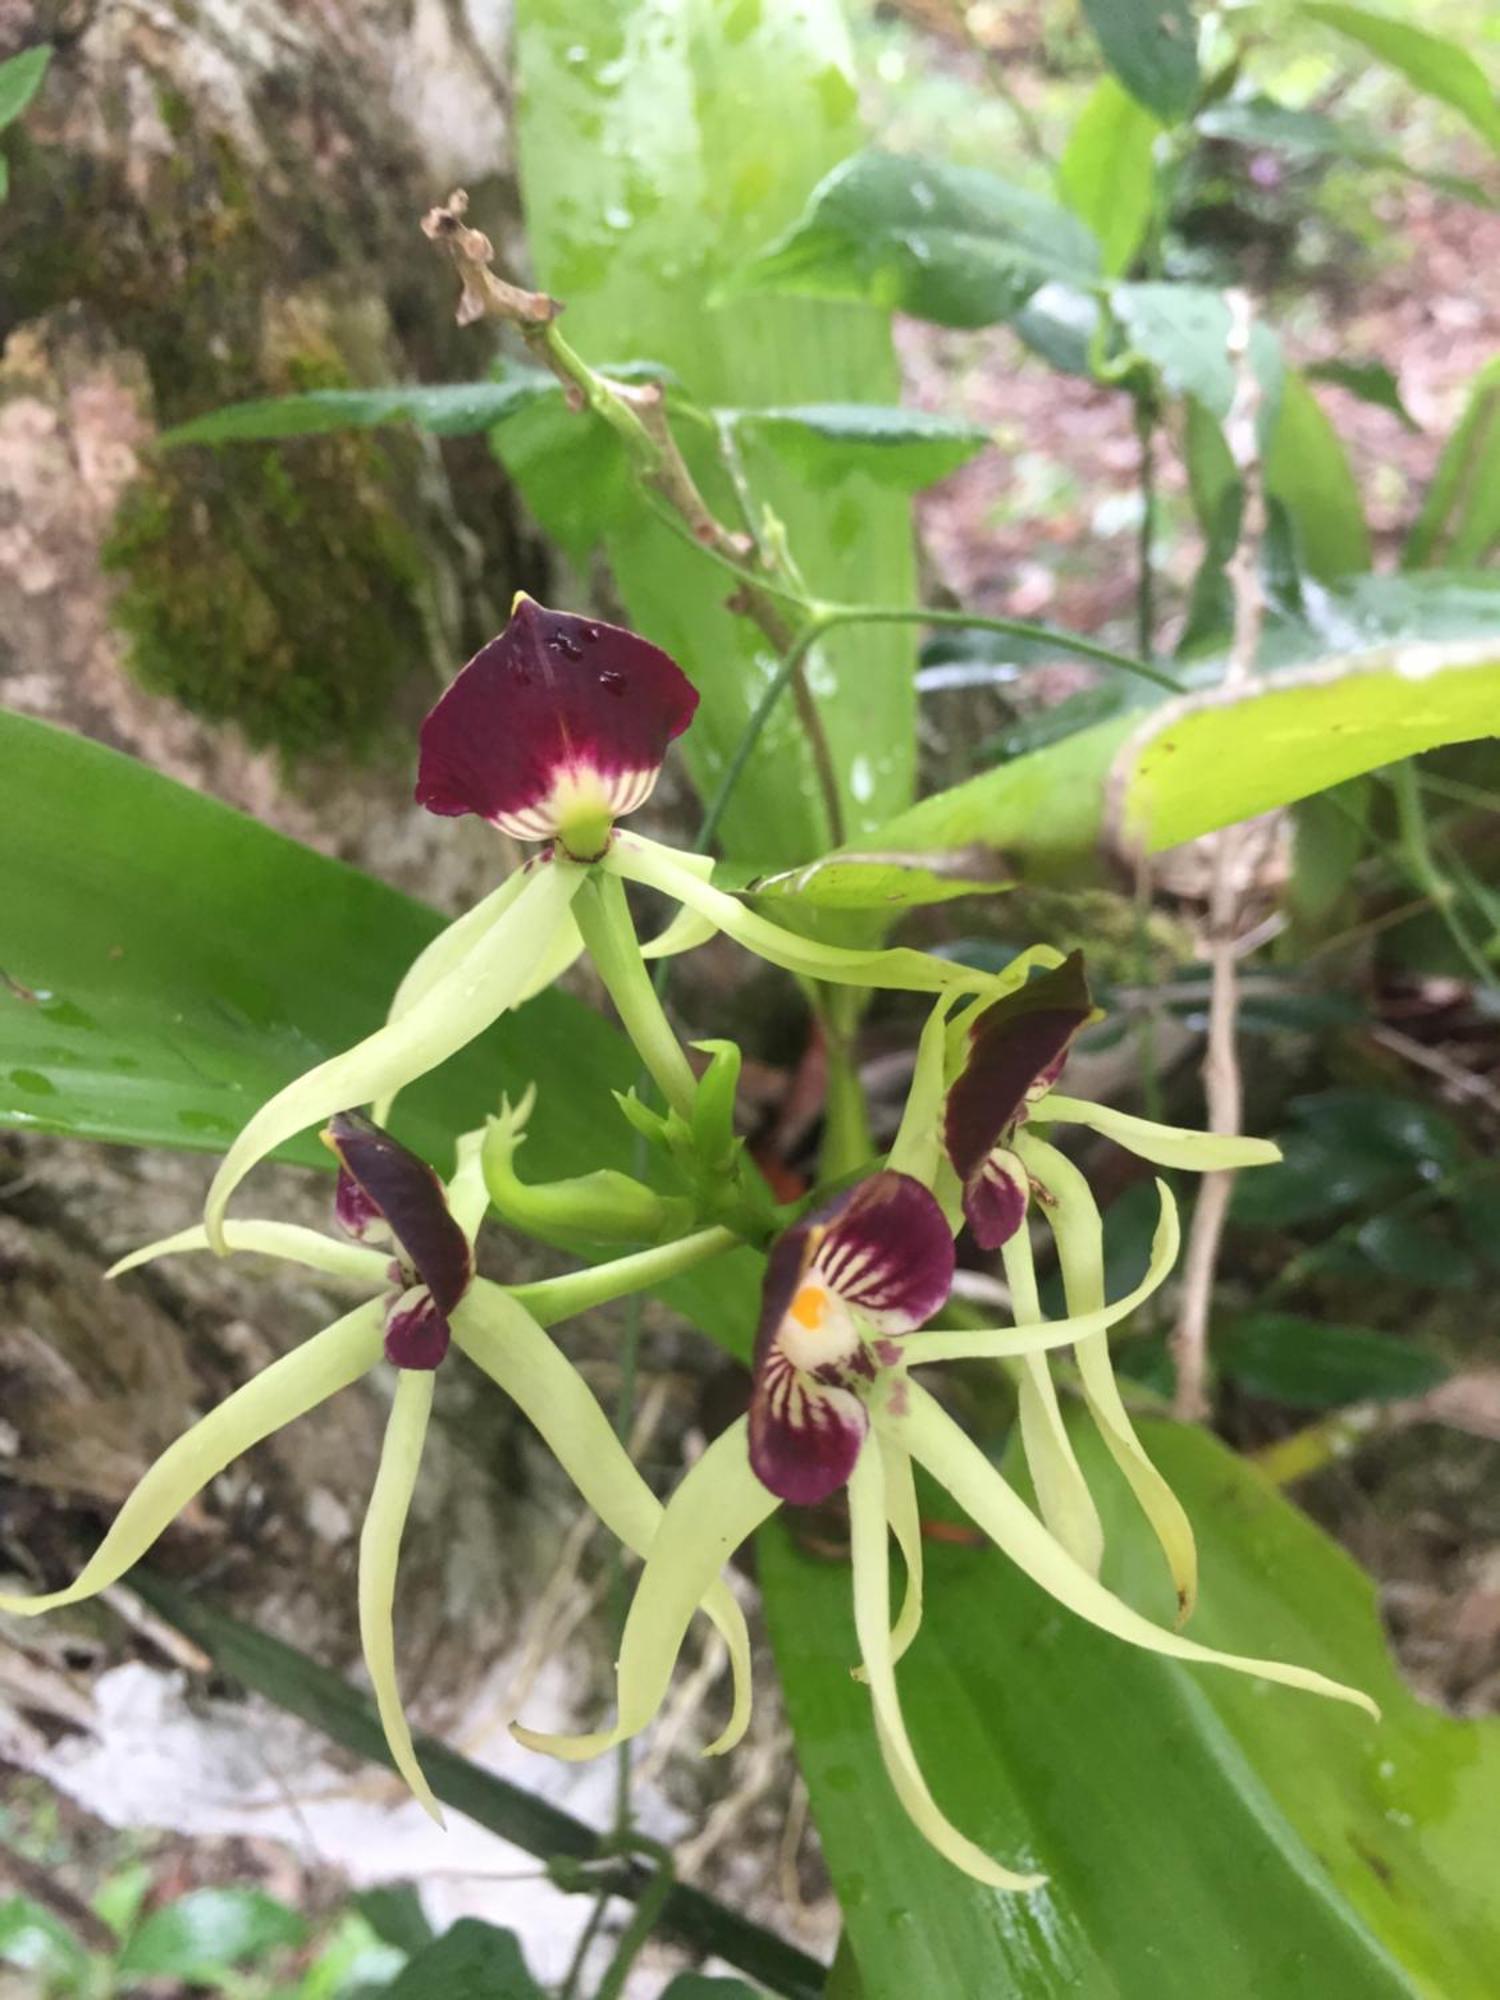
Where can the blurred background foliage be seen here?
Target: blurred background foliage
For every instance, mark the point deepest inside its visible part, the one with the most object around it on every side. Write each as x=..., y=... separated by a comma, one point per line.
x=963, y=269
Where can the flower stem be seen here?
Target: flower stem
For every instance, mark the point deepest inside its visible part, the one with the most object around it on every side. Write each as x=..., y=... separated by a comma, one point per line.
x=551, y=1299
x=604, y=918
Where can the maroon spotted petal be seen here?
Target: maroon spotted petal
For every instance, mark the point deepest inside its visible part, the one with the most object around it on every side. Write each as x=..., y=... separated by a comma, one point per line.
x=879, y=1256
x=404, y=1190
x=416, y=1333
x=995, y=1198
x=1017, y=1045
x=560, y=721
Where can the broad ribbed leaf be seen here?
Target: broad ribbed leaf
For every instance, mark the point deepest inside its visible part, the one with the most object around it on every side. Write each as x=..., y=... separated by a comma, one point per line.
x=1151, y=778
x=953, y=244
x=169, y=964
x=1203, y=1834
x=658, y=149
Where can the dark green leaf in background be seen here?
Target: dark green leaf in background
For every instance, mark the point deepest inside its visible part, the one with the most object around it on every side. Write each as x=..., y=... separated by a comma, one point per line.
x=1152, y=47
x=908, y=449
x=956, y=245
x=1260, y=123
x=472, y=1961
x=1313, y=1364
x=1183, y=332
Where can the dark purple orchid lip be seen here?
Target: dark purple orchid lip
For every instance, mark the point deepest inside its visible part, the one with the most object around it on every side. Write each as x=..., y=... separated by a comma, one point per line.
x=1016, y=1046
x=416, y=1332
x=880, y=1255
x=388, y=1182
x=559, y=721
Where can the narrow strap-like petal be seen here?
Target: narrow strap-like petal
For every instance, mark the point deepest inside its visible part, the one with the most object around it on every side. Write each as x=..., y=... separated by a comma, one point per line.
x=379, y=1555
x=956, y=1462
x=1062, y=1492
x=1003, y=1343
x=290, y=1387
x=897, y=967
x=1074, y=1220
x=906, y=1526
x=475, y=992
x=1162, y=1145
x=436, y=960
x=287, y=1240
x=872, y=1623
x=468, y=1197
x=502, y=1338
x=718, y=1506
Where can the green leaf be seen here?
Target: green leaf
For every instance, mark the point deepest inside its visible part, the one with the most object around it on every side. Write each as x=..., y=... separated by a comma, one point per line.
x=303, y=1688
x=1208, y=761
x=36, y=1941
x=1432, y=64
x=20, y=80
x=952, y=244
x=1416, y=1251
x=1154, y=778
x=1313, y=1365
x=1183, y=332
x=1160, y=1799
x=208, y=1931
x=1152, y=47
x=1309, y=472
x=905, y=448
x=1371, y=381
x=446, y=409
x=394, y=1913
x=472, y=1961
x=657, y=152
x=1107, y=175
x=1460, y=520
x=169, y=964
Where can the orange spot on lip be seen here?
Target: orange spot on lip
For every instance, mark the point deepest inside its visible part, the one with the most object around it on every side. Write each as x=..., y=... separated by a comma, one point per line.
x=810, y=1307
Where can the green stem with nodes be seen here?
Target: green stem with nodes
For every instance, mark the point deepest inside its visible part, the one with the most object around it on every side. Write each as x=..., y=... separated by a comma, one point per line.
x=550, y=1299
x=608, y=932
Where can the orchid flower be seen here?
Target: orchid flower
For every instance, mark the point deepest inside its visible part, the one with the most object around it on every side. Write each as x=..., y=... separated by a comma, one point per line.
x=833, y=1405
x=984, y=1082
x=425, y=1297
x=553, y=732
